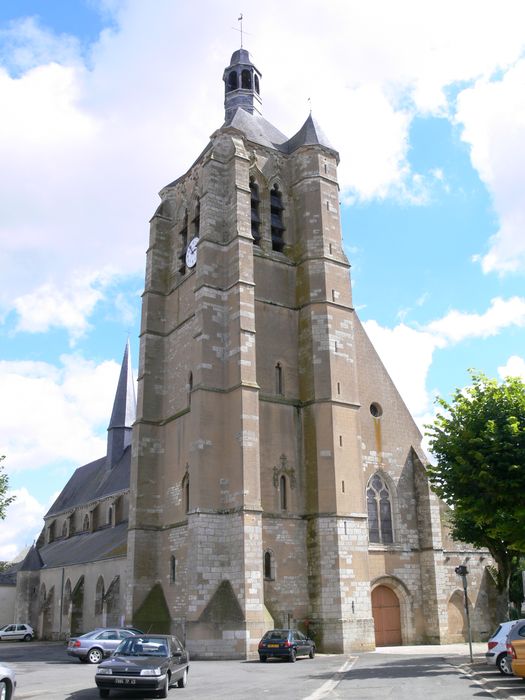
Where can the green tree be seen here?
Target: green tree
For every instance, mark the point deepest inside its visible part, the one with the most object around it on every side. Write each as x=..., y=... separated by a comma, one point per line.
x=478, y=440
x=5, y=500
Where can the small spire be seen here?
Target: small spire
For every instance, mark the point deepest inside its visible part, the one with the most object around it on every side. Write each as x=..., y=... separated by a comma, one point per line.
x=124, y=411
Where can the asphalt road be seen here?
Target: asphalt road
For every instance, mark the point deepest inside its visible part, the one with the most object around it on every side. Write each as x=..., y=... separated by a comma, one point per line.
x=45, y=671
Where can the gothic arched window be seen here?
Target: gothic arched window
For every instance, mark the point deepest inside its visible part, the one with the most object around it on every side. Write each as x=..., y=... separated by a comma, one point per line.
x=379, y=508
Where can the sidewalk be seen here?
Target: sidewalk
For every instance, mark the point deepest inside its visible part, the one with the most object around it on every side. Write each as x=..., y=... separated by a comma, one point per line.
x=462, y=649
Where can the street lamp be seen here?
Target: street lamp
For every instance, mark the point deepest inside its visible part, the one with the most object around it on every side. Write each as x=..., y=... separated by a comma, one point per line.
x=462, y=571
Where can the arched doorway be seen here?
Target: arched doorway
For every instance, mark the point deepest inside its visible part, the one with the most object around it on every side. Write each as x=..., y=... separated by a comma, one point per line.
x=387, y=617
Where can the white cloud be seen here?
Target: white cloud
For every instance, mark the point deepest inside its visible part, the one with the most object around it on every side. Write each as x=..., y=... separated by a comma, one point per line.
x=50, y=414
x=492, y=114
x=69, y=307
x=514, y=367
x=457, y=325
x=22, y=524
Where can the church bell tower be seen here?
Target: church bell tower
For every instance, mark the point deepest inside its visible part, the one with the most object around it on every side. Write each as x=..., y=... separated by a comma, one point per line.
x=247, y=507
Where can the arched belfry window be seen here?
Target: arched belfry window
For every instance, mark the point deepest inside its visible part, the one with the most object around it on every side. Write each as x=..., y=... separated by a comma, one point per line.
x=254, y=203
x=246, y=80
x=379, y=506
x=183, y=244
x=276, y=211
x=283, y=496
x=256, y=81
x=233, y=82
x=85, y=525
x=197, y=219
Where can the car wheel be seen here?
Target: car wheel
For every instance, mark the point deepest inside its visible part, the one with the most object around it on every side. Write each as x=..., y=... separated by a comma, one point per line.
x=95, y=656
x=262, y=659
x=28, y=638
x=3, y=691
x=103, y=692
x=312, y=653
x=163, y=692
x=293, y=656
x=181, y=683
x=504, y=664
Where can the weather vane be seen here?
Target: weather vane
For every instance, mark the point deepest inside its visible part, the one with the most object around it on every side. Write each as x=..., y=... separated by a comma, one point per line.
x=241, y=30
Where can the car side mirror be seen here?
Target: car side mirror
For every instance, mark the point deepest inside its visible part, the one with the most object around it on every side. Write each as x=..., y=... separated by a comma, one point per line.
x=177, y=654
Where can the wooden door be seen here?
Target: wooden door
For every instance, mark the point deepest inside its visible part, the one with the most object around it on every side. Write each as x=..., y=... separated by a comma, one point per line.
x=387, y=617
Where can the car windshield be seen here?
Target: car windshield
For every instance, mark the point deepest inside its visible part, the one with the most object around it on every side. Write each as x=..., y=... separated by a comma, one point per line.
x=143, y=646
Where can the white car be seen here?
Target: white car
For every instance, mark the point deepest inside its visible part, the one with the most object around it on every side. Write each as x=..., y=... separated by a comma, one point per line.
x=17, y=631
x=497, y=647
x=7, y=683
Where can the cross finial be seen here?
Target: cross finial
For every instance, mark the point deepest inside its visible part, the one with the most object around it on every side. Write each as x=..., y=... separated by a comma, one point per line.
x=240, y=21
x=310, y=104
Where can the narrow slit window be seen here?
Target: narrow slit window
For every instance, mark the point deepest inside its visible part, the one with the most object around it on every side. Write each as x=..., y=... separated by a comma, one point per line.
x=173, y=569
x=279, y=384
x=268, y=568
x=282, y=493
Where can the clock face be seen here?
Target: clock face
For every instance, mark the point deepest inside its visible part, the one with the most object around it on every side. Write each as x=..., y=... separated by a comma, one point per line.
x=191, y=252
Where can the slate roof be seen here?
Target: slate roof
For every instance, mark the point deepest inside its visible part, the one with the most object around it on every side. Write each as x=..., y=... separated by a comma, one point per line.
x=85, y=547
x=32, y=561
x=310, y=134
x=257, y=129
x=93, y=481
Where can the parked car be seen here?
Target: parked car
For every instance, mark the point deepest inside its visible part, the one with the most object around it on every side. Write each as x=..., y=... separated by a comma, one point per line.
x=285, y=643
x=93, y=646
x=148, y=662
x=516, y=648
x=7, y=683
x=17, y=631
x=497, y=647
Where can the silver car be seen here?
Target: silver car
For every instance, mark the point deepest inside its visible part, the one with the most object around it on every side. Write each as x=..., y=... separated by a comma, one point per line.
x=16, y=631
x=93, y=646
x=7, y=683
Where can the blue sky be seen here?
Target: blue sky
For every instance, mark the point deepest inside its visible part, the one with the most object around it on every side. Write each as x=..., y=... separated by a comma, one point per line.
x=106, y=101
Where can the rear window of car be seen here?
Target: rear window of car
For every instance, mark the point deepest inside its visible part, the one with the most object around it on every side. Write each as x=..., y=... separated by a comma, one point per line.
x=276, y=634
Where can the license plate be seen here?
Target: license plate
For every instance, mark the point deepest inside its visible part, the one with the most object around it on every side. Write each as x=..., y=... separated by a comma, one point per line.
x=273, y=646
x=125, y=681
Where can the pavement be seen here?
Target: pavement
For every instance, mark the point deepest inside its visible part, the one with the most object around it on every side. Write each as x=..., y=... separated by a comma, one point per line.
x=486, y=676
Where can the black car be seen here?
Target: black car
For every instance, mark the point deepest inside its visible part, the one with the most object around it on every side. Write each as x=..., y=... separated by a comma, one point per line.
x=146, y=662
x=287, y=644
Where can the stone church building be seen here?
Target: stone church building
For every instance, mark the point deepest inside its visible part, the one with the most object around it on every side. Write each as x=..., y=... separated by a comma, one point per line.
x=276, y=477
